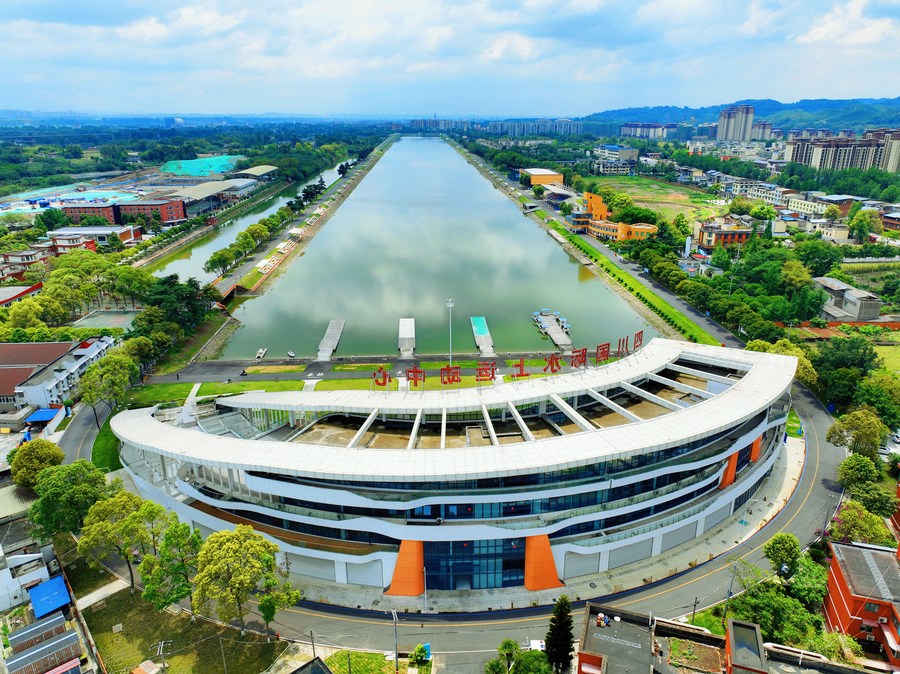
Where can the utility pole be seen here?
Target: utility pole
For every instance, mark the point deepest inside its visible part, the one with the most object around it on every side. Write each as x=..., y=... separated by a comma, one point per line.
x=728, y=598
x=396, y=647
x=349, y=666
x=312, y=640
x=161, y=653
x=222, y=648
x=694, y=612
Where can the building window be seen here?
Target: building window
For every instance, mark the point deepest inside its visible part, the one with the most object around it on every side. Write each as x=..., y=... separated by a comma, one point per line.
x=865, y=628
x=871, y=608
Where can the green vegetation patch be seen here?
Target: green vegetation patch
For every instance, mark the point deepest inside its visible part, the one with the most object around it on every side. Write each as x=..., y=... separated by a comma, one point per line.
x=794, y=424
x=359, y=367
x=176, y=360
x=105, y=453
x=368, y=663
x=80, y=575
x=215, y=388
x=890, y=355
x=153, y=394
x=363, y=384
x=194, y=647
x=275, y=369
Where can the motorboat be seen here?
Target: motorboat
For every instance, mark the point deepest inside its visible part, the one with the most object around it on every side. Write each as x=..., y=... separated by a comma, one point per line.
x=261, y=353
x=291, y=354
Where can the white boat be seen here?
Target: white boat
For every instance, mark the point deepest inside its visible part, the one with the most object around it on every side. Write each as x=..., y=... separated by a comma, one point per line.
x=261, y=353
x=290, y=354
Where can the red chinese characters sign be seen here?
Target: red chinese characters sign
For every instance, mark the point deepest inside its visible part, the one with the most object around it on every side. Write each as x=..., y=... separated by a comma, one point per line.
x=381, y=377
x=520, y=369
x=602, y=352
x=579, y=358
x=415, y=376
x=450, y=375
x=485, y=371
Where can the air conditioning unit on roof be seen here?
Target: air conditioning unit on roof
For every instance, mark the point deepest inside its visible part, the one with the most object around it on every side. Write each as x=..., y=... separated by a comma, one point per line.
x=882, y=620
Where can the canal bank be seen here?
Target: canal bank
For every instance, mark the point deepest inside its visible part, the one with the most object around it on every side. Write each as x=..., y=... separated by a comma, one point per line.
x=542, y=219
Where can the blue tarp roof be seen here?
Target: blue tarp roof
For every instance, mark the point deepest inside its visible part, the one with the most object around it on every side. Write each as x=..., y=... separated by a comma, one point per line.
x=42, y=415
x=49, y=596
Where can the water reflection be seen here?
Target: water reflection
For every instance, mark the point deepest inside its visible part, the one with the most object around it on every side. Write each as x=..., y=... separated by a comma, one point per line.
x=423, y=226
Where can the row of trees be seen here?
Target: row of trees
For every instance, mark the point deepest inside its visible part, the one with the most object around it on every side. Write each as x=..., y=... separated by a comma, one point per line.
x=218, y=574
x=224, y=259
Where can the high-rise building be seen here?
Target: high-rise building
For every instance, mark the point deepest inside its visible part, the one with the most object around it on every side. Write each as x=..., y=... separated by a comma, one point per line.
x=736, y=123
x=878, y=148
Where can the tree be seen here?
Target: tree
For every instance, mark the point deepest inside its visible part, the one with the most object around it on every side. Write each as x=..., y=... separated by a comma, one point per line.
x=508, y=650
x=863, y=223
x=740, y=206
x=853, y=523
x=836, y=647
x=857, y=469
x=862, y=432
x=809, y=584
x=880, y=390
x=25, y=313
x=782, y=551
x=538, y=191
x=230, y=565
x=720, y=258
x=565, y=208
x=32, y=458
x=781, y=618
x=495, y=666
x=680, y=225
x=65, y=494
x=107, y=380
x=763, y=212
x=818, y=256
x=220, y=261
x=276, y=596
x=795, y=276
x=141, y=350
x=168, y=576
x=531, y=662
x=559, y=637
x=107, y=530
x=874, y=498
x=419, y=655
x=831, y=213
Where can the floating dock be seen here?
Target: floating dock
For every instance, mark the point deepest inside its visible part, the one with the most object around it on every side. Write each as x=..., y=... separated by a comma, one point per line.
x=482, y=334
x=406, y=340
x=329, y=342
x=549, y=324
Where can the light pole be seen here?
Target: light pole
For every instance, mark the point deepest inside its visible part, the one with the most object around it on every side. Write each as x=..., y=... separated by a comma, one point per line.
x=450, y=316
x=396, y=649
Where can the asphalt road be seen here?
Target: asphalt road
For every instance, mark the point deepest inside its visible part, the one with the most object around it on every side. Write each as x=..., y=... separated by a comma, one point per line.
x=78, y=439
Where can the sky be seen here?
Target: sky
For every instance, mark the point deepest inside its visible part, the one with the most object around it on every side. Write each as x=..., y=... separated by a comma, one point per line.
x=450, y=58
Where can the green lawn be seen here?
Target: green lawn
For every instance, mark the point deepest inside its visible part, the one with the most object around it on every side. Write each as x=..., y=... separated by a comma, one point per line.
x=82, y=577
x=65, y=422
x=438, y=364
x=709, y=621
x=274, y=369
x=106, y=449
x=793, y=424
x=215, y=388
x=662, y=197
x=362, y=384
x=359, y=367
x=250, y=279
x=890, y=355
x=151, y=394
x=368, y=663
x=194, y=647
x=177, y=359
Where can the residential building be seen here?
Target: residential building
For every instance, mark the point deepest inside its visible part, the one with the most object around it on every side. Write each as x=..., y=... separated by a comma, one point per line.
x=171, y=211
x=620, y=231
x=768, y=193
x=762, y=130
x=10, y=294
x=846, y=303
x=18, y=574
x=105, y=210
x=643, y=130
x=863, y=599
x=891, y=221
x=577, y=490
x=708, y=236
x=60, y=244
x=613, y=168
x=101, y=236
x=842, y=201
x=58, y=380
x=735, y=123
x=15, y=263
x=542, y=176
x=616, y=153
x=878, y=148
x=806, y=208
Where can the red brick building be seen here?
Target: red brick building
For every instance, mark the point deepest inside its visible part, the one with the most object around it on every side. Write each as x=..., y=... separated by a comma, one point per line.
x=171, y=211
x=107, y=211
x=863, y=596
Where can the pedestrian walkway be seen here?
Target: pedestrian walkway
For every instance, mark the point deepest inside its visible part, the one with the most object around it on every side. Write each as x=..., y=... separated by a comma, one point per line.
x=98, y=595
x=729, y=536
x=186, y=416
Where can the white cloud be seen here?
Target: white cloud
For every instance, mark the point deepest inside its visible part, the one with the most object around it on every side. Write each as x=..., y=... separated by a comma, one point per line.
x=846, y=25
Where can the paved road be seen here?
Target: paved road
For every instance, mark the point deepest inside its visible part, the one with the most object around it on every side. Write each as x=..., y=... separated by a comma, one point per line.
x=78, y=439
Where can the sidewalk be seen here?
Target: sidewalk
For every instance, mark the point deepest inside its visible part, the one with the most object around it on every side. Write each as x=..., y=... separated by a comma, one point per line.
x=97, y=595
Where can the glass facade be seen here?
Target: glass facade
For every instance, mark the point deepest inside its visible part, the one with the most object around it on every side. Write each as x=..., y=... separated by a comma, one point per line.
x=475, y=565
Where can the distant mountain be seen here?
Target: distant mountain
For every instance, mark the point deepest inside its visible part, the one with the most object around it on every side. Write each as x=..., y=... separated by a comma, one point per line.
x=857, y=113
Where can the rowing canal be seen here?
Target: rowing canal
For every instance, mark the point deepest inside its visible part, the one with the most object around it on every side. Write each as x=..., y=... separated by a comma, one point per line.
x=423, y=226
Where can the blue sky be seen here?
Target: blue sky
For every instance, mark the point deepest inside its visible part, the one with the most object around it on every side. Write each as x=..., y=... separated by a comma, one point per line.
x=450, y=58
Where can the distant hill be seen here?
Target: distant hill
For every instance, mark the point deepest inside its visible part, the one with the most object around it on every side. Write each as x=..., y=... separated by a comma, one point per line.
x=857, y=113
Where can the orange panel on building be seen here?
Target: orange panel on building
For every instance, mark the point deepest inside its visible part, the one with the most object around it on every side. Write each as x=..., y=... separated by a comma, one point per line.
x=409, y=572
x=754, y=449
x=730, y=471
x=595, y=206
x=540, y=567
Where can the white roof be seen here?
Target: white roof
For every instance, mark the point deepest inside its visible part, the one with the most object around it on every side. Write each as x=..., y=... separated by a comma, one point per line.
x=766, y=378
x=541, y=172
x=260, y=170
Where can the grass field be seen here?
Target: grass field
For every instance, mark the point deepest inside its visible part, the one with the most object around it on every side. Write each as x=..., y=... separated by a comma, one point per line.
x=80, y=575
x=890, y=355
x=193, y=647
x=274, y=369
x=793, y=424
x=215, y=388
x=670, y=200
x=368, y=663
x=152, y=394
x=359, y=367
x=105, y=453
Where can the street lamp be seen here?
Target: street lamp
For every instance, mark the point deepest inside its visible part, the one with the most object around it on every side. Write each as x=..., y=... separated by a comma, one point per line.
x=450, y=315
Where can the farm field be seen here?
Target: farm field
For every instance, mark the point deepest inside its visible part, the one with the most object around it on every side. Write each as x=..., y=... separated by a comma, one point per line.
x=670, y=200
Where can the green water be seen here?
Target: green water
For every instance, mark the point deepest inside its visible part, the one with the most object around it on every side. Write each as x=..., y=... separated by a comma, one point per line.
x=421, y=227
x=201, y=167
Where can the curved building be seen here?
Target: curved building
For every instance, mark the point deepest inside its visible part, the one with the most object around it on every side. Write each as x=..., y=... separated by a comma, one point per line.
x=511, y=484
